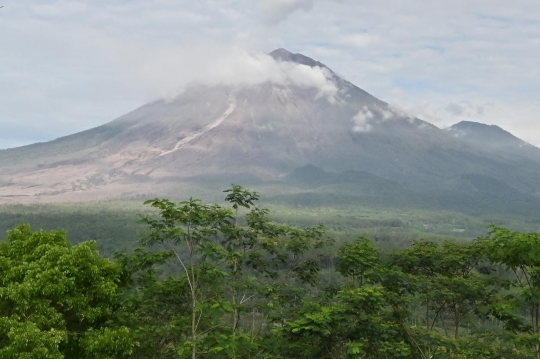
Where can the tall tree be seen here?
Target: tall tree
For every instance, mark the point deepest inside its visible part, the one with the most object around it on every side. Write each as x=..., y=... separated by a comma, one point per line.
x=236, y=270
x=519, y=253
x=451, y=287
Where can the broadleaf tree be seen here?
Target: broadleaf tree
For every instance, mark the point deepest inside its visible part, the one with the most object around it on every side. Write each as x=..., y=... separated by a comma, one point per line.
x=58, y=300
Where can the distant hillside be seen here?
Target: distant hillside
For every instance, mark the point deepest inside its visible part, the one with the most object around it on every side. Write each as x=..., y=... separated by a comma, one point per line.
x=495, y=140
x=471, y=194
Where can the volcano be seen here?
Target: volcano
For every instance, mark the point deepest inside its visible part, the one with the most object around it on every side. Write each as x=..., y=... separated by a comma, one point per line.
x=263, y=132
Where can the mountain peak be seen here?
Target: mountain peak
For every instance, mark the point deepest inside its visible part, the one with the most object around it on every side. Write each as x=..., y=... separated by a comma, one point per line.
x=494, y=139
x=263, y=133
x=493, y=132
x=287, y=56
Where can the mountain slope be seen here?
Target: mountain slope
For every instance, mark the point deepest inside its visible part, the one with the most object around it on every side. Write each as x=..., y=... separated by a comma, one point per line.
x=493, y=139
x=261, y=131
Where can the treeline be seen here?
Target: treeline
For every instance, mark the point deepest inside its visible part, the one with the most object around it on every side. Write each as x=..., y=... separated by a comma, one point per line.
x=226, y=282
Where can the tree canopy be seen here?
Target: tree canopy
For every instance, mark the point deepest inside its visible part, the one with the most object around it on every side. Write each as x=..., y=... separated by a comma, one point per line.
x=58, y=300
x=225, y=281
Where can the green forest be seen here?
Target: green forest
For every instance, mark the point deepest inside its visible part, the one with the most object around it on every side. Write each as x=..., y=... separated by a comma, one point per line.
x=228, y=281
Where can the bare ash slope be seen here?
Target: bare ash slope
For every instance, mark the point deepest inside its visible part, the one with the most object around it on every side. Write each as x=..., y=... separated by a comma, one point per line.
x=265, y=130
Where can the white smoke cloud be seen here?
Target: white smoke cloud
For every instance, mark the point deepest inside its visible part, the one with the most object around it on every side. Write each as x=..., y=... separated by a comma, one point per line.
x=168, y=72
x=424, y=110
x=362, y=120
x=387, y=114
x=366, y=118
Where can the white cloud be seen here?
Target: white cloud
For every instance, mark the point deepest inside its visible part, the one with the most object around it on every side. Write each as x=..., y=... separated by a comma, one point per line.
x=166, y=72
x=466, y=109
x=362, y=120
x=276, y=11
x=387, y=115
x=521, y=121
x=358, y=40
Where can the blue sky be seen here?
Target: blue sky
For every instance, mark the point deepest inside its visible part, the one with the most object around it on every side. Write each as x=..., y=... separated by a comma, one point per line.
x=67, y=66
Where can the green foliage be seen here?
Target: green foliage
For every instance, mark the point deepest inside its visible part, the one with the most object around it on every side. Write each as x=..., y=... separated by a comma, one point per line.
x=451, y=287
x=358, y=260
x=520, y=254
x=240, y=197
x=58, y=300
x=112, y=225
x=226, y=281
x=358, y=323
x=232, y=280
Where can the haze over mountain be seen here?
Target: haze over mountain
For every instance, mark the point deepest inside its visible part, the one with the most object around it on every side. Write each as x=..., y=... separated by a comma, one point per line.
x=302, y=128
x=493, y=139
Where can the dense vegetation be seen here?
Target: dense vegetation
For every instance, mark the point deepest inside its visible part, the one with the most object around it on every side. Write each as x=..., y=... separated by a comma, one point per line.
x=113, y=224
x=113, y=227
x=58, y=300
x=213, y=281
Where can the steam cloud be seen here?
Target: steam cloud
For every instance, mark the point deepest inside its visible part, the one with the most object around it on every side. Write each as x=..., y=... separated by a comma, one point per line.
x=167, y=73
x=365, y=118
x=362, y=120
